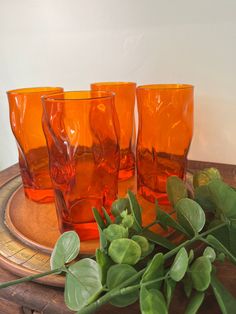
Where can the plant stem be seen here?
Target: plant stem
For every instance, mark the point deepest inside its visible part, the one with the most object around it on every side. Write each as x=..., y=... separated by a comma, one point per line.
x=156, y=222
x=116, y=292
x=127, y=289
x=29, y=278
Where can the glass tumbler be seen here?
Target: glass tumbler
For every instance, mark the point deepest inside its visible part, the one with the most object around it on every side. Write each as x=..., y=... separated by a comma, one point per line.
x=81, y=130
x=26, y=122
x=124, y=104
x=164, y=136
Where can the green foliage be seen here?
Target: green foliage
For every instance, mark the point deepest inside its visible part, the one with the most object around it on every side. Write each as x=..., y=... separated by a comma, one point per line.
x=119, y=205
x=65, y=250
x=190, y=215
x=210, y=253
x=203, y=177
x=152, y=301
x=216, y=244
x=195, y=303
x=98, y=218
x=176, y=190
x=180, y=265
x=154, y=270
x=143, y=243
x=83, y=284
x=116, y=275
x=113, y=232
x=226, y=301
x=158, y=239
x=169, y=287
x=104, y=262
x=200, y=273
x=135, y=210
x=124, y=251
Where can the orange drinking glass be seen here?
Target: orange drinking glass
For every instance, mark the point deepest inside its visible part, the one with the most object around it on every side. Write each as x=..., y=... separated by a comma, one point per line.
x=82, y=136
x=26, y=123
x=164, y=136
x=124, y=104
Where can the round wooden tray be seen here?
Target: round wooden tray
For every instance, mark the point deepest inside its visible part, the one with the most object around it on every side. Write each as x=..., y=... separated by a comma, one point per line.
x=28, y=233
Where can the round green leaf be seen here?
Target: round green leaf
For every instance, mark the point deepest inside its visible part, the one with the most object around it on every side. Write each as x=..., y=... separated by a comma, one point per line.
x=124, y=251
x=210, y=253
x=83, y=284
x=190, y=215
x=180, y=265
x=195, y=303
x=200, y=273
x=176, y=189
x=115, y=276
x=113, y=232
x=119, y=205
x=152, y=301
x=154, y=271
x=143, y=243
x=65, y=250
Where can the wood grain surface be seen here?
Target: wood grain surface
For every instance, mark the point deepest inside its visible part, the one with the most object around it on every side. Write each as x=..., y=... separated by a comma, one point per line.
x=36, y=298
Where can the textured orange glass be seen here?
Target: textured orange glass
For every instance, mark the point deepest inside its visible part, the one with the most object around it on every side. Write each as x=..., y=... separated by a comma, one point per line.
x=26, y=123
x=81, y=131
x=164, y=136
x=124, y=104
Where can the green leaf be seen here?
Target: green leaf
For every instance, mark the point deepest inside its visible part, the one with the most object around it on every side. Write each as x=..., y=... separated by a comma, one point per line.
x=154, y=271
x=226, y=301
x=124, y=251
x=116, y=275
x=217, y=245
x=106, y=216
x=232, y=238
x=152, y=302
x=113, y=232
x=200, y=272
x=224, y=197
x=83, y=284
x=204, y=199
x=102, y=239
x=169, y=287
x=188, y=285
x=98, y=218
x=176, y=189
x=158, y=239
x=190, y=215
x=104, y=262
x=180, y=265
x=167, y=220
x=119, y=205
x=190, y=256
x=65, y=250
x=203, y=177
x=210, y=253
x=143, y=243
x=195, y=303
x=135, y=211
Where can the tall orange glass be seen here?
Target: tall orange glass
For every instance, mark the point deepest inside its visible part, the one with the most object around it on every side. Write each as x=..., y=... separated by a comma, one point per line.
x=124, y=104
x=164, y=136
x=26, y=123
x=81, y=132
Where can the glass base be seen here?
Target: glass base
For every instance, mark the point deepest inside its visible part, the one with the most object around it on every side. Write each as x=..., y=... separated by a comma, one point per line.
x=86, y=231
x=151, y=195
x=40, y=196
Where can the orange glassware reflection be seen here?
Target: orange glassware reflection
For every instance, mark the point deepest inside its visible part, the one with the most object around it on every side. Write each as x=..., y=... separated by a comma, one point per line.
x=124, y=104
x=164, y=136
x=81, y=131
x=26, y=123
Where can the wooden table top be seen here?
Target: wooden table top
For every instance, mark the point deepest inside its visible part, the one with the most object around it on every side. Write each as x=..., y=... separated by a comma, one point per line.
x=35, y=298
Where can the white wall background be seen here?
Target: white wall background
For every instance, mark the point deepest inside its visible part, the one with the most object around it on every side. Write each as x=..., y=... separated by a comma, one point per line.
x=74, y=42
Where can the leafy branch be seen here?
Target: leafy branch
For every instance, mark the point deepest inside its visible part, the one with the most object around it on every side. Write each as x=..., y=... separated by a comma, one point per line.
x=135, y=263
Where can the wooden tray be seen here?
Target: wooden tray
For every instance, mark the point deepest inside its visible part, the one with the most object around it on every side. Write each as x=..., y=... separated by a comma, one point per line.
x=28, y=232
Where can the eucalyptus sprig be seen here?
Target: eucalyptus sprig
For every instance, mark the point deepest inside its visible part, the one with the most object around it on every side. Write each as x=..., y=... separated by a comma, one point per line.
x=135, y=263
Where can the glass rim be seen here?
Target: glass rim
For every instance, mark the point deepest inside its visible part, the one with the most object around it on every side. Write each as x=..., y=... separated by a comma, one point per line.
x=35, y=90
x=113, y=83
x=175, y=86
x=106, y=95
